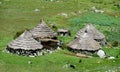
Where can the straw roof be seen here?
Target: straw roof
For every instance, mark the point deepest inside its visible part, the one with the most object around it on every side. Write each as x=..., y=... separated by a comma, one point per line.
x=26, y=42
x=42, y=31
x=84, y=43
x=92, y=31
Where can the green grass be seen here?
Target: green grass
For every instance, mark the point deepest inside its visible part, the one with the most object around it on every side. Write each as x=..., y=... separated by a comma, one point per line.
x=96, y=18
x=18, y=15
x=54, y=63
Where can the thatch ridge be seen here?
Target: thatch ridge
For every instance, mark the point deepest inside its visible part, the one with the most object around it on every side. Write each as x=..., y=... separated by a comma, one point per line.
x=92, y=31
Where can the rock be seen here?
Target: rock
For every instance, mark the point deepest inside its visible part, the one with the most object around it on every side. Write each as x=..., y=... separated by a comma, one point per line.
x=93, y=7
x=63, y=14
x=50, y=52
x=40, y=53
x=58, y=48
x=98, y=62
x=79, y=12
x=0, y=2
x=31, y=56
x=65, y=66
x=29, y=62
x=97, y=10
x=69, y=65
x=36, y=10
x=101, y=54
x=111, y=57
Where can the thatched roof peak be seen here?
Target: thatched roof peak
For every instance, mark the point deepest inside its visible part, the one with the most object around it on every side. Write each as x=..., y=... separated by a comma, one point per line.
x=26, y=42
x=92, y=31
x=42, y=21
x=25, y=34
x=42, y=30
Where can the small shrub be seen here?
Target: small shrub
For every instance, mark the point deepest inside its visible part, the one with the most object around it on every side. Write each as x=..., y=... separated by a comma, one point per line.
x=95, y=18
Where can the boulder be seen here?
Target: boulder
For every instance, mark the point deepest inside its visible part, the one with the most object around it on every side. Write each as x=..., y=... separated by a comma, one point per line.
x=111, y=57
x=101, y=54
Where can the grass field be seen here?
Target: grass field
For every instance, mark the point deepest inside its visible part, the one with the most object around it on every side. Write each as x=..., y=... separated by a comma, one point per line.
x=18, y=15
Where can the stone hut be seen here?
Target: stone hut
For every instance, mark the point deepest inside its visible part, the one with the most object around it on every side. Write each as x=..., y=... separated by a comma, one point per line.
x=94, y=33
x=45, y=35
x=25, y=45
x=85, y=44
x=63, y=32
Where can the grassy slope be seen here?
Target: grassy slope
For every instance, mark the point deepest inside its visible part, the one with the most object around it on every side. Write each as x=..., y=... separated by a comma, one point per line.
x=17, y=15
x=54, y=63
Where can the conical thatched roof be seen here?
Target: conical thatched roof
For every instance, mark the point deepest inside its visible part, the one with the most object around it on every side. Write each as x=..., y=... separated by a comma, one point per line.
x=92, y=31
x=42, y=31
x=84, y=43
x=26, y=42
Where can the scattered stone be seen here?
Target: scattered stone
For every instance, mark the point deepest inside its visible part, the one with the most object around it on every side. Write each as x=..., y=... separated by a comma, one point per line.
x=58, y=48
x=101, y=54
x=93, y=8
x=4, y=50
x=98, y=62
x=29, y=62
x=64, y=15
x=31, y=56
x=36, y=10
x=50, y=52
x=60, y=43
x=79, y=12
x=97, y=10
x=40, y=54
x=65, y=66
x=0, y=2
x=69, y=65
x=111, y=57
